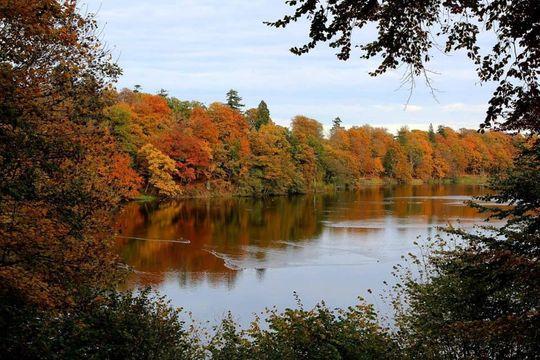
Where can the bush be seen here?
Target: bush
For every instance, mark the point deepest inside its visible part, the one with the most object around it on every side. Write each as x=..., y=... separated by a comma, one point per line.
x=112, y=325
x=319, y=333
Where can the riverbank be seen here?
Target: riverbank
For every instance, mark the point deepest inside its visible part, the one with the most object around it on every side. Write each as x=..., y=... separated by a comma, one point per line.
x=205, y=193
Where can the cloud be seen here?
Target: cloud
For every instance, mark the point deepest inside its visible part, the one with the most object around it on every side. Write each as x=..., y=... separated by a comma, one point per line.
x=198, y=49
x=413, y=108
x=398, y=107
x=461, y=107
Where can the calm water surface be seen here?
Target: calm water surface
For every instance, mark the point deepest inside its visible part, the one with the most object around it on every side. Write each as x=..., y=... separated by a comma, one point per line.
x=211, y=256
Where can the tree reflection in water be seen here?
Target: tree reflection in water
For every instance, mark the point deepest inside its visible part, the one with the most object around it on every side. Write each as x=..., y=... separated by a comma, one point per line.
x=226, y=235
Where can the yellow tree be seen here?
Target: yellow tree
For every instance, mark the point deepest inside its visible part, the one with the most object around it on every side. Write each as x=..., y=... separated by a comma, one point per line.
x=308, y=148
x=272, y=162
x=159, y=170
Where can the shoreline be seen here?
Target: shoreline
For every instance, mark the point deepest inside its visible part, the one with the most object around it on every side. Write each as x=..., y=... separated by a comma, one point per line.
x=480, y=180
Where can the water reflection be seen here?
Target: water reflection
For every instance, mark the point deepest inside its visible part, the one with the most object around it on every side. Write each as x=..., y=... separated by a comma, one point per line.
x=229, y=247
x=218, y=230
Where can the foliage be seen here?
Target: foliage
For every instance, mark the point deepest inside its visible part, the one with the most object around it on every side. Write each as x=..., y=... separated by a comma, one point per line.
x=159, y=170
x=66, y=138
x=217, y=149
x=477, y=294
x=234, y=100
x=61, y=172
x=318, y=333
x=520, y=190
x=263, y=115
x=272, y=163
x=182, y=109
x=103, y=325
x=479, y=298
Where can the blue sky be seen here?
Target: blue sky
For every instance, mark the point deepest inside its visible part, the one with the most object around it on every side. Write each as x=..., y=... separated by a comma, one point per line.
x=199, y=49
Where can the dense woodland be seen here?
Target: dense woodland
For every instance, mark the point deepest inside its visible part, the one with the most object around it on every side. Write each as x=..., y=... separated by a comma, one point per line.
x=183, y=148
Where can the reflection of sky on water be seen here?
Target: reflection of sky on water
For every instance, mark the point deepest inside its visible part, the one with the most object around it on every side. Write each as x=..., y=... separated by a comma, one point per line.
x=247, y=254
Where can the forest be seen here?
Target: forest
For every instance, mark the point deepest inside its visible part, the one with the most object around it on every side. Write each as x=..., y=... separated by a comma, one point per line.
x=184, y=148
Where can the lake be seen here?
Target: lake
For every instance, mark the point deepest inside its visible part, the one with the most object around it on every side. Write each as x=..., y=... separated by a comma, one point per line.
x=240, y=254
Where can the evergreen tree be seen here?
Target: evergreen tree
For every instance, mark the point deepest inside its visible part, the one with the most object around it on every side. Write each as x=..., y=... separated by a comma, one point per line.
x=234, y=100
x=164, y=93
x=402, y=135
x=336, y=125
x=441, y=130
x=263, y=115
x=431, y=133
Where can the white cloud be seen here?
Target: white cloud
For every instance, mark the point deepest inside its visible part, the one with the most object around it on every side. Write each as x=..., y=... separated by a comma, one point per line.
x=461, y=107
x=398, y=107
x=198, y=49
x=413, y=108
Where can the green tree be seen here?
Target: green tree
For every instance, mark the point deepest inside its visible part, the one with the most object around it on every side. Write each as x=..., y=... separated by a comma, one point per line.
x=234, y=100
x=431, y=133
x=104, y=325
x=441, y=130
x=318, y=333
x=263, y=115
x=182, y=108
x=122, y=127
x=336, y=125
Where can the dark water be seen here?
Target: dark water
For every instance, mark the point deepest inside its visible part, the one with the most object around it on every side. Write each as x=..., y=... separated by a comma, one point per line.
x=211, y=256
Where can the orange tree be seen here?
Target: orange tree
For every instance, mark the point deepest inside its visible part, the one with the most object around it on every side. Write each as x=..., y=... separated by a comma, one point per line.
x=61, y=175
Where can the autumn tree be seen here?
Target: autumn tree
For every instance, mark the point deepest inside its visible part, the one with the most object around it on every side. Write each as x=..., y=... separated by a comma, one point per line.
x=272, y=169
x=419, y=151
x=361, y=147
x=308, y=148
x=341, y=167
x=191, y=154
x=158, y=170
x=60, y=171
x=396, y=164
x=150, y=114
x=381, y=140
x=211, y=147
x=204, y=127
x=232, y=150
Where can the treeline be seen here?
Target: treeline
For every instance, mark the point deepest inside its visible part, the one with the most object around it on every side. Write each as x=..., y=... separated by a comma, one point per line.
x=182, y=148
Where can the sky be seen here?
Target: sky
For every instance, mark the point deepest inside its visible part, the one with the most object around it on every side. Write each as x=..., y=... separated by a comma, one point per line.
x=199, y=49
